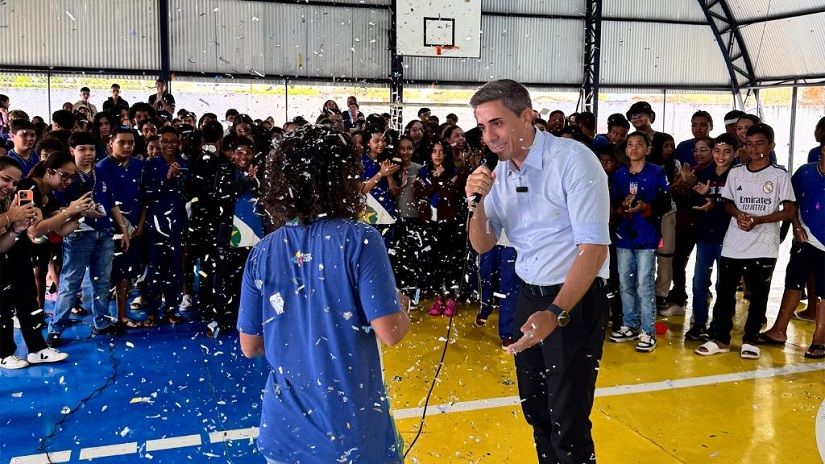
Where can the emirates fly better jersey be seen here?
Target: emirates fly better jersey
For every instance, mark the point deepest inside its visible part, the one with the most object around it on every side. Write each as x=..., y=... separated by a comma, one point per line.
x=757, y=193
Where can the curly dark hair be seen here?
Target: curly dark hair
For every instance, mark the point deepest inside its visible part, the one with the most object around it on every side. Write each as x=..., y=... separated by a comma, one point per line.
x=313, y=173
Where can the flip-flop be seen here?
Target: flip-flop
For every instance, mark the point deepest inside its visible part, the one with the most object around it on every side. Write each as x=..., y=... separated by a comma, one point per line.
x=765, y=339
x=812, y=351
x=749, y=351
x=800, y=318
x=710, y=348
x=130, y=323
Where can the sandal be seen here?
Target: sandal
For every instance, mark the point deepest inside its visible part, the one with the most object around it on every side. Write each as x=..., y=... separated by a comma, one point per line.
x=799, y=317
x=136, y=304
x=816, y=351
x=130, y=323
x=765, y=339
x=710, y=348
x=173, y=319
x=749, y=351
x=79, y=311
x=149, y=322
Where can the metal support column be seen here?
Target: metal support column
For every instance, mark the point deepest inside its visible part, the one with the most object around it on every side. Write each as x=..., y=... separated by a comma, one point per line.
x=49, y=92
x=592, y=56
x=286, y=99
x=791, y=145
x=726, y=30
x=163, y=21
x=396, y=75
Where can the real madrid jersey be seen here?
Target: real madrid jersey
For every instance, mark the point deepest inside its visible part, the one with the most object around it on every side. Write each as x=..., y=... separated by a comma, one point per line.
x=758, y=193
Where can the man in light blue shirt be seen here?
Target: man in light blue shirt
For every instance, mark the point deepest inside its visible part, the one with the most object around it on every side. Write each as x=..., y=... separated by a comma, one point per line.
x=551, y=196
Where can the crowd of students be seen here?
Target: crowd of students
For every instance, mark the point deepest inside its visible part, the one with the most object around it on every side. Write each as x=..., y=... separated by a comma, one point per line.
x=159, y=203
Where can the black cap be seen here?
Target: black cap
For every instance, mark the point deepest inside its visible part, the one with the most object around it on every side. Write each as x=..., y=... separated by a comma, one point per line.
x=641, y=107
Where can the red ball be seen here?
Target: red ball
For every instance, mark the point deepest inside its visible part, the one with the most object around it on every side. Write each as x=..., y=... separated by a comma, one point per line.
x=661, y=328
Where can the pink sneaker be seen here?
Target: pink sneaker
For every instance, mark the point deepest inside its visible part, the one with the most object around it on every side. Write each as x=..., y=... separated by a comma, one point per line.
x=449, y=311
x=438, y=307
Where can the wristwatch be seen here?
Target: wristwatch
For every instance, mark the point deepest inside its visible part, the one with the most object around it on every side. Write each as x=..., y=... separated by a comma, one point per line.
x=562, y=315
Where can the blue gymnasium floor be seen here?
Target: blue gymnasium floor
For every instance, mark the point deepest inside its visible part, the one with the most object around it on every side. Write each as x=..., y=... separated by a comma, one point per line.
x=149, y=395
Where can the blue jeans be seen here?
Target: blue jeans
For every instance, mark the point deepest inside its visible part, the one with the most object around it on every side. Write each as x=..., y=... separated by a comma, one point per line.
x=707, y=253
x=637, y=270
x=90, y=249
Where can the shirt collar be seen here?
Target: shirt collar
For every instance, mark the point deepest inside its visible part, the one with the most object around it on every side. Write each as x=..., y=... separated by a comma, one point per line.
x=535, y=157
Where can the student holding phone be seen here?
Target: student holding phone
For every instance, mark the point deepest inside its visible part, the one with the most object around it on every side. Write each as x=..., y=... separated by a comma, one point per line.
x=53, y=173
x=91, y=246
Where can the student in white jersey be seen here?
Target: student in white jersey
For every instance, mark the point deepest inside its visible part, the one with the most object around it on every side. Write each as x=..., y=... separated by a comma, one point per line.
x=759, y=196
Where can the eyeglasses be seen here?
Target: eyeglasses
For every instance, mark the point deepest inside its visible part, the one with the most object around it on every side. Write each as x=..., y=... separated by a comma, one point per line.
x=637, y=115
x=64, y=176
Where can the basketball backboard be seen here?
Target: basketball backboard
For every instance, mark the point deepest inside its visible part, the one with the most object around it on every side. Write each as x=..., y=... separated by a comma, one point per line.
x=448, y=28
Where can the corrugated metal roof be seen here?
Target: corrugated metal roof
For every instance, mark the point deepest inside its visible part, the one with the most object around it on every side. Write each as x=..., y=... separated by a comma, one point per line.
x=681, y=10
x=536, y=7
x=225, y=36
x=655, y=54
x=746, y=10
x=115, y=34
x=357, y=2
x=217, y=36
x=525, y=49
x=787, y=47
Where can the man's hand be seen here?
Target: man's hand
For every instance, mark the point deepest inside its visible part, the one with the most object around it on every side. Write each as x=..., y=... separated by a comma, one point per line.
x=538, y=327
x=701, y=188
x=480, y=181
x=173, y=171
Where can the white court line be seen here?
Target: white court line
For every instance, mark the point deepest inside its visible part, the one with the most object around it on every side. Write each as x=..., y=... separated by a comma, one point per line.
x=476, y=405
x=56, y=456
x=230, y=435
x=109, y=450
x=173, y=442
x=820, y=430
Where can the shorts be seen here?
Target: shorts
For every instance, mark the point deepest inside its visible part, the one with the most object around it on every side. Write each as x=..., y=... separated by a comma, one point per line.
x=129, y=265
x=805, y=261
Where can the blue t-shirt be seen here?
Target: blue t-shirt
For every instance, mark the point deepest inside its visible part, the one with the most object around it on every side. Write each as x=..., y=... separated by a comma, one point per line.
x=684, y=152
x=311, y=292
x=88, y=183
x=121, y=185
x=814, y=154
x=809, y=189
x=27, y=166
x=600, y=141
x=381, y=191
x=638, y=231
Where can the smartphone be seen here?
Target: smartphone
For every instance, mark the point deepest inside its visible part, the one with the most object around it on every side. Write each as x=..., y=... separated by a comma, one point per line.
x=25, y=197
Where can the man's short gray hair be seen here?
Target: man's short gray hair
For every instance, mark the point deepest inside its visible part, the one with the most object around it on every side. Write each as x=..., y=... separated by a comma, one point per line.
x=513, y=95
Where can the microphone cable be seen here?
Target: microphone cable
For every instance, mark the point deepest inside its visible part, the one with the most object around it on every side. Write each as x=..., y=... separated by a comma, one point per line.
x=461, y=286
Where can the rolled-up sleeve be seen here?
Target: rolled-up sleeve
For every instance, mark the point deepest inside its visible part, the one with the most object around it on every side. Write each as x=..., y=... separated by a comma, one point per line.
x=588, y=199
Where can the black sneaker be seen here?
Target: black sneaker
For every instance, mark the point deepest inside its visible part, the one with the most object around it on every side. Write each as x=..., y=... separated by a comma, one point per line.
x=53, y=339
x=111, y=329
x=661, y=302
x=696, y=333
x=624, y=334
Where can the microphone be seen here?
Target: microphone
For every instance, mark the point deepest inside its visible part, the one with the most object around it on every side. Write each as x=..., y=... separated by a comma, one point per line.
x=490, y=162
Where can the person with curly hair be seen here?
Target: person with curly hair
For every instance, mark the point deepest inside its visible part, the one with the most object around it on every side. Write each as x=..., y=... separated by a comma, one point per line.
x=315, y=294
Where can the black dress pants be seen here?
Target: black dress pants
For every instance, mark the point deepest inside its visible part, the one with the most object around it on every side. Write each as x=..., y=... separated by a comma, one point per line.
x=557, y=377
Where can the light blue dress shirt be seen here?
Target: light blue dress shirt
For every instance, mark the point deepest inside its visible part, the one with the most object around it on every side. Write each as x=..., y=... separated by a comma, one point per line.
x=567, y=203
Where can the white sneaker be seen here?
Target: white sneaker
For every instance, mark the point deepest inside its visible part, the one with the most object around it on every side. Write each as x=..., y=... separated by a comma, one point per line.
x=186, y=303
x=673, y=310
x=13, y=362
x=624, y=334
x=46, y=355
x=646, y=343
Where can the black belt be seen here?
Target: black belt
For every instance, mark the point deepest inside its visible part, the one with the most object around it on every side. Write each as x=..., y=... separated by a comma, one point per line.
x=553, y=290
